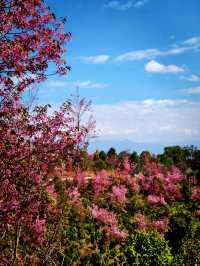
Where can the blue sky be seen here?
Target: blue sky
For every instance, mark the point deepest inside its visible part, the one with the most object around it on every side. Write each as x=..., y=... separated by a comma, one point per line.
x=139, y=63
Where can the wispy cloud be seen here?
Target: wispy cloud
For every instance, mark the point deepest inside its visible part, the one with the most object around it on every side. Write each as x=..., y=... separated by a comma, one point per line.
x=150, y=54
x=140, y=3
x=58, y=84
x=77, y=84
x=192, y=78
x=192, y=90
x=138, y=55
x=149, y=120
x=123, y=6
x=155, y=67
x=192, y=41
x=119, y=5
x=90, y=85
x=191, y=44
x=98, y=59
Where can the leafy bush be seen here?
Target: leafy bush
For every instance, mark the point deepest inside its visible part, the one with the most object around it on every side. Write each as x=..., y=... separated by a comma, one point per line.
x=100, y=165
x=189, y=252
x=180, y=224
x=148, y=248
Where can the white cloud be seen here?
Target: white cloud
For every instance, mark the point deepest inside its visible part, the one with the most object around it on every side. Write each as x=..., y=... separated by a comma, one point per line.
x=164, y=102
x=191, y=44
x=193, y=78
x=175, y=51
x=98, y=59
x=138, y=55
x=120, y=6
x=77, y=84
x=155, y=67
x=193, y=90
x=149, y=121
x=90, y=85
x=140, y=3
x=192, y=41
x=149, y=54
x=123, y=6
x=58, y=84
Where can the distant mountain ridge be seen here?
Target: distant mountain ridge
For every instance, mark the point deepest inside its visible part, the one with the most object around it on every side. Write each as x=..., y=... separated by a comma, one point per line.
x=121, y=145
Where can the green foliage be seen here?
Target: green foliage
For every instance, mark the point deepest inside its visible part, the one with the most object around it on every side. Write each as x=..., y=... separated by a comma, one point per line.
x=145, y=155
x=148, y=248
x=102, y=155
x=115, y=256
x=186, y=158
x=85, y=162
x=176, y=153
x=111, y=152
x=180, y=224
x=100, y=165
x=189, y=251
x=134, y=158
x=186, y=190
x=166, y=160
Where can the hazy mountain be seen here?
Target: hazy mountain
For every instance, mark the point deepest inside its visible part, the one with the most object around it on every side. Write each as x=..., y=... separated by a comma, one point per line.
x=121, y=145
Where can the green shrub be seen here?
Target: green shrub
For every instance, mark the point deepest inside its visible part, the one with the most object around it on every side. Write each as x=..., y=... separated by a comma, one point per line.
x=109, y=256
x=148, y=248
x=100, y=165
x=189, y=252
x=180, y=224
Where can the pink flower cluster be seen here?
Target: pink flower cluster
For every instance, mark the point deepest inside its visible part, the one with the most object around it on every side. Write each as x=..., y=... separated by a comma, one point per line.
x=198, y=211
x=196, y=194
x=162, y=182
x=175, y=175
x=132, y=182
x=39, y=229
x=114, y=232
x=73, y=194
x=51, y=190
x=118, y=195
x=127, y=165
x=154, y=199
x=142, y=221
x=160, y=225
x=109, y=219
x=80, y=179
x=103, y=215
x=100, y=182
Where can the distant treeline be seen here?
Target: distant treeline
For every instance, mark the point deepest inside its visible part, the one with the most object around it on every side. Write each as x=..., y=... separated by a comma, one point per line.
x=185, y=158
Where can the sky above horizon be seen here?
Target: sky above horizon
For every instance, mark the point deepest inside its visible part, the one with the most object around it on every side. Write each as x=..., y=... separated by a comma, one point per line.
x=138, y=61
